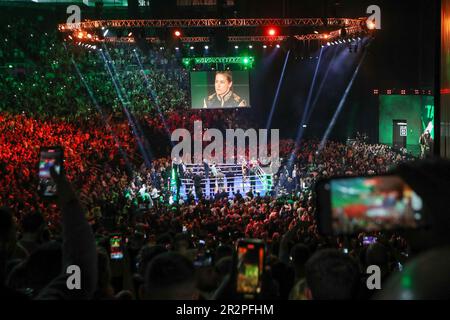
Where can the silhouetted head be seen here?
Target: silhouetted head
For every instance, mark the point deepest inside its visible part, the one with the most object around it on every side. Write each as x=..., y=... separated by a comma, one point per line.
x=170, y=276
x=331, y=275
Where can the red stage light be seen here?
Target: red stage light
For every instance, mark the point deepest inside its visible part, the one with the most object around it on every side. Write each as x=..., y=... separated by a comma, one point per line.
x=177, y=33
x=271, y=32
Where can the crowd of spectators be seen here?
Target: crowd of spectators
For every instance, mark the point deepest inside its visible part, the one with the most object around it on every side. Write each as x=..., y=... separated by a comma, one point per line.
x=50, y=76
x=108, y=188
x=50, y=97
x=335, y=159
x=54, y=77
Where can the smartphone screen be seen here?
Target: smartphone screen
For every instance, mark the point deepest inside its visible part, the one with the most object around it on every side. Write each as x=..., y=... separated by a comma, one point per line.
x=367, y=241
x=250, y=266
x=49, y=157
x=351, y=205
x=115, y=244
x=203, y=260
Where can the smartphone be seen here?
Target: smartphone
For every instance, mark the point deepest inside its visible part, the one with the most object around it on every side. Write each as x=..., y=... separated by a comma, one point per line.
x=349, y=205
x=116, y=247
x=49, y=157
x=368, y=240
x=250, y=262
x=203, y=259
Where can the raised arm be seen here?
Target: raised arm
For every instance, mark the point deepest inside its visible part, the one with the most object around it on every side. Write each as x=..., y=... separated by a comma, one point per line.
x=79, y=247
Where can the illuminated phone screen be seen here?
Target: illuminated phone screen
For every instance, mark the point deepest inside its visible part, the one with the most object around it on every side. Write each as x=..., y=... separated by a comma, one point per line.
x=367, y=241
x=373, y=204
x=250, y=267
x=116, y=247
x=49, y=157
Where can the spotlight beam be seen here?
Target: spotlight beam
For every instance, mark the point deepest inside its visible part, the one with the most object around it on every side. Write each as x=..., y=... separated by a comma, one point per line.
x=103, y=117
x=125, y=109
x=322, y=83
x=305, y=112
x=121, y=86
x=275, y=100
x=153, y=97
x=341, y=104
x=311, y=90
x=146, y=146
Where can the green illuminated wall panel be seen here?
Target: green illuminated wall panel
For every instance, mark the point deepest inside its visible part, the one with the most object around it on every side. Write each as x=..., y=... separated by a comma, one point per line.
x=418, y=111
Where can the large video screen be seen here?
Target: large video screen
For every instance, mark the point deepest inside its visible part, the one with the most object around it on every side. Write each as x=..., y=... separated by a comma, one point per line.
x=220, y=90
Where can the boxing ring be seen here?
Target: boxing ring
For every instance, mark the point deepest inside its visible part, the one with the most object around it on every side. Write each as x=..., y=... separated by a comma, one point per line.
x=229, y=178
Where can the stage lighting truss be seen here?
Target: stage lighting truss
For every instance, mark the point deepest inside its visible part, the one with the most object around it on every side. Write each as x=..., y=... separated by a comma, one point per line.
x=330, y=35
x=195, y=39
x=256, y=38
x=351, y=26
x=150, y=40
x=232, y=39
x=155, y=40
x=190, y=23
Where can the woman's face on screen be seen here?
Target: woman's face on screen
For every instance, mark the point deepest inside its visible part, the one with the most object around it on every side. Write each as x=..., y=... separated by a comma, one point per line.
x=222, y=84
